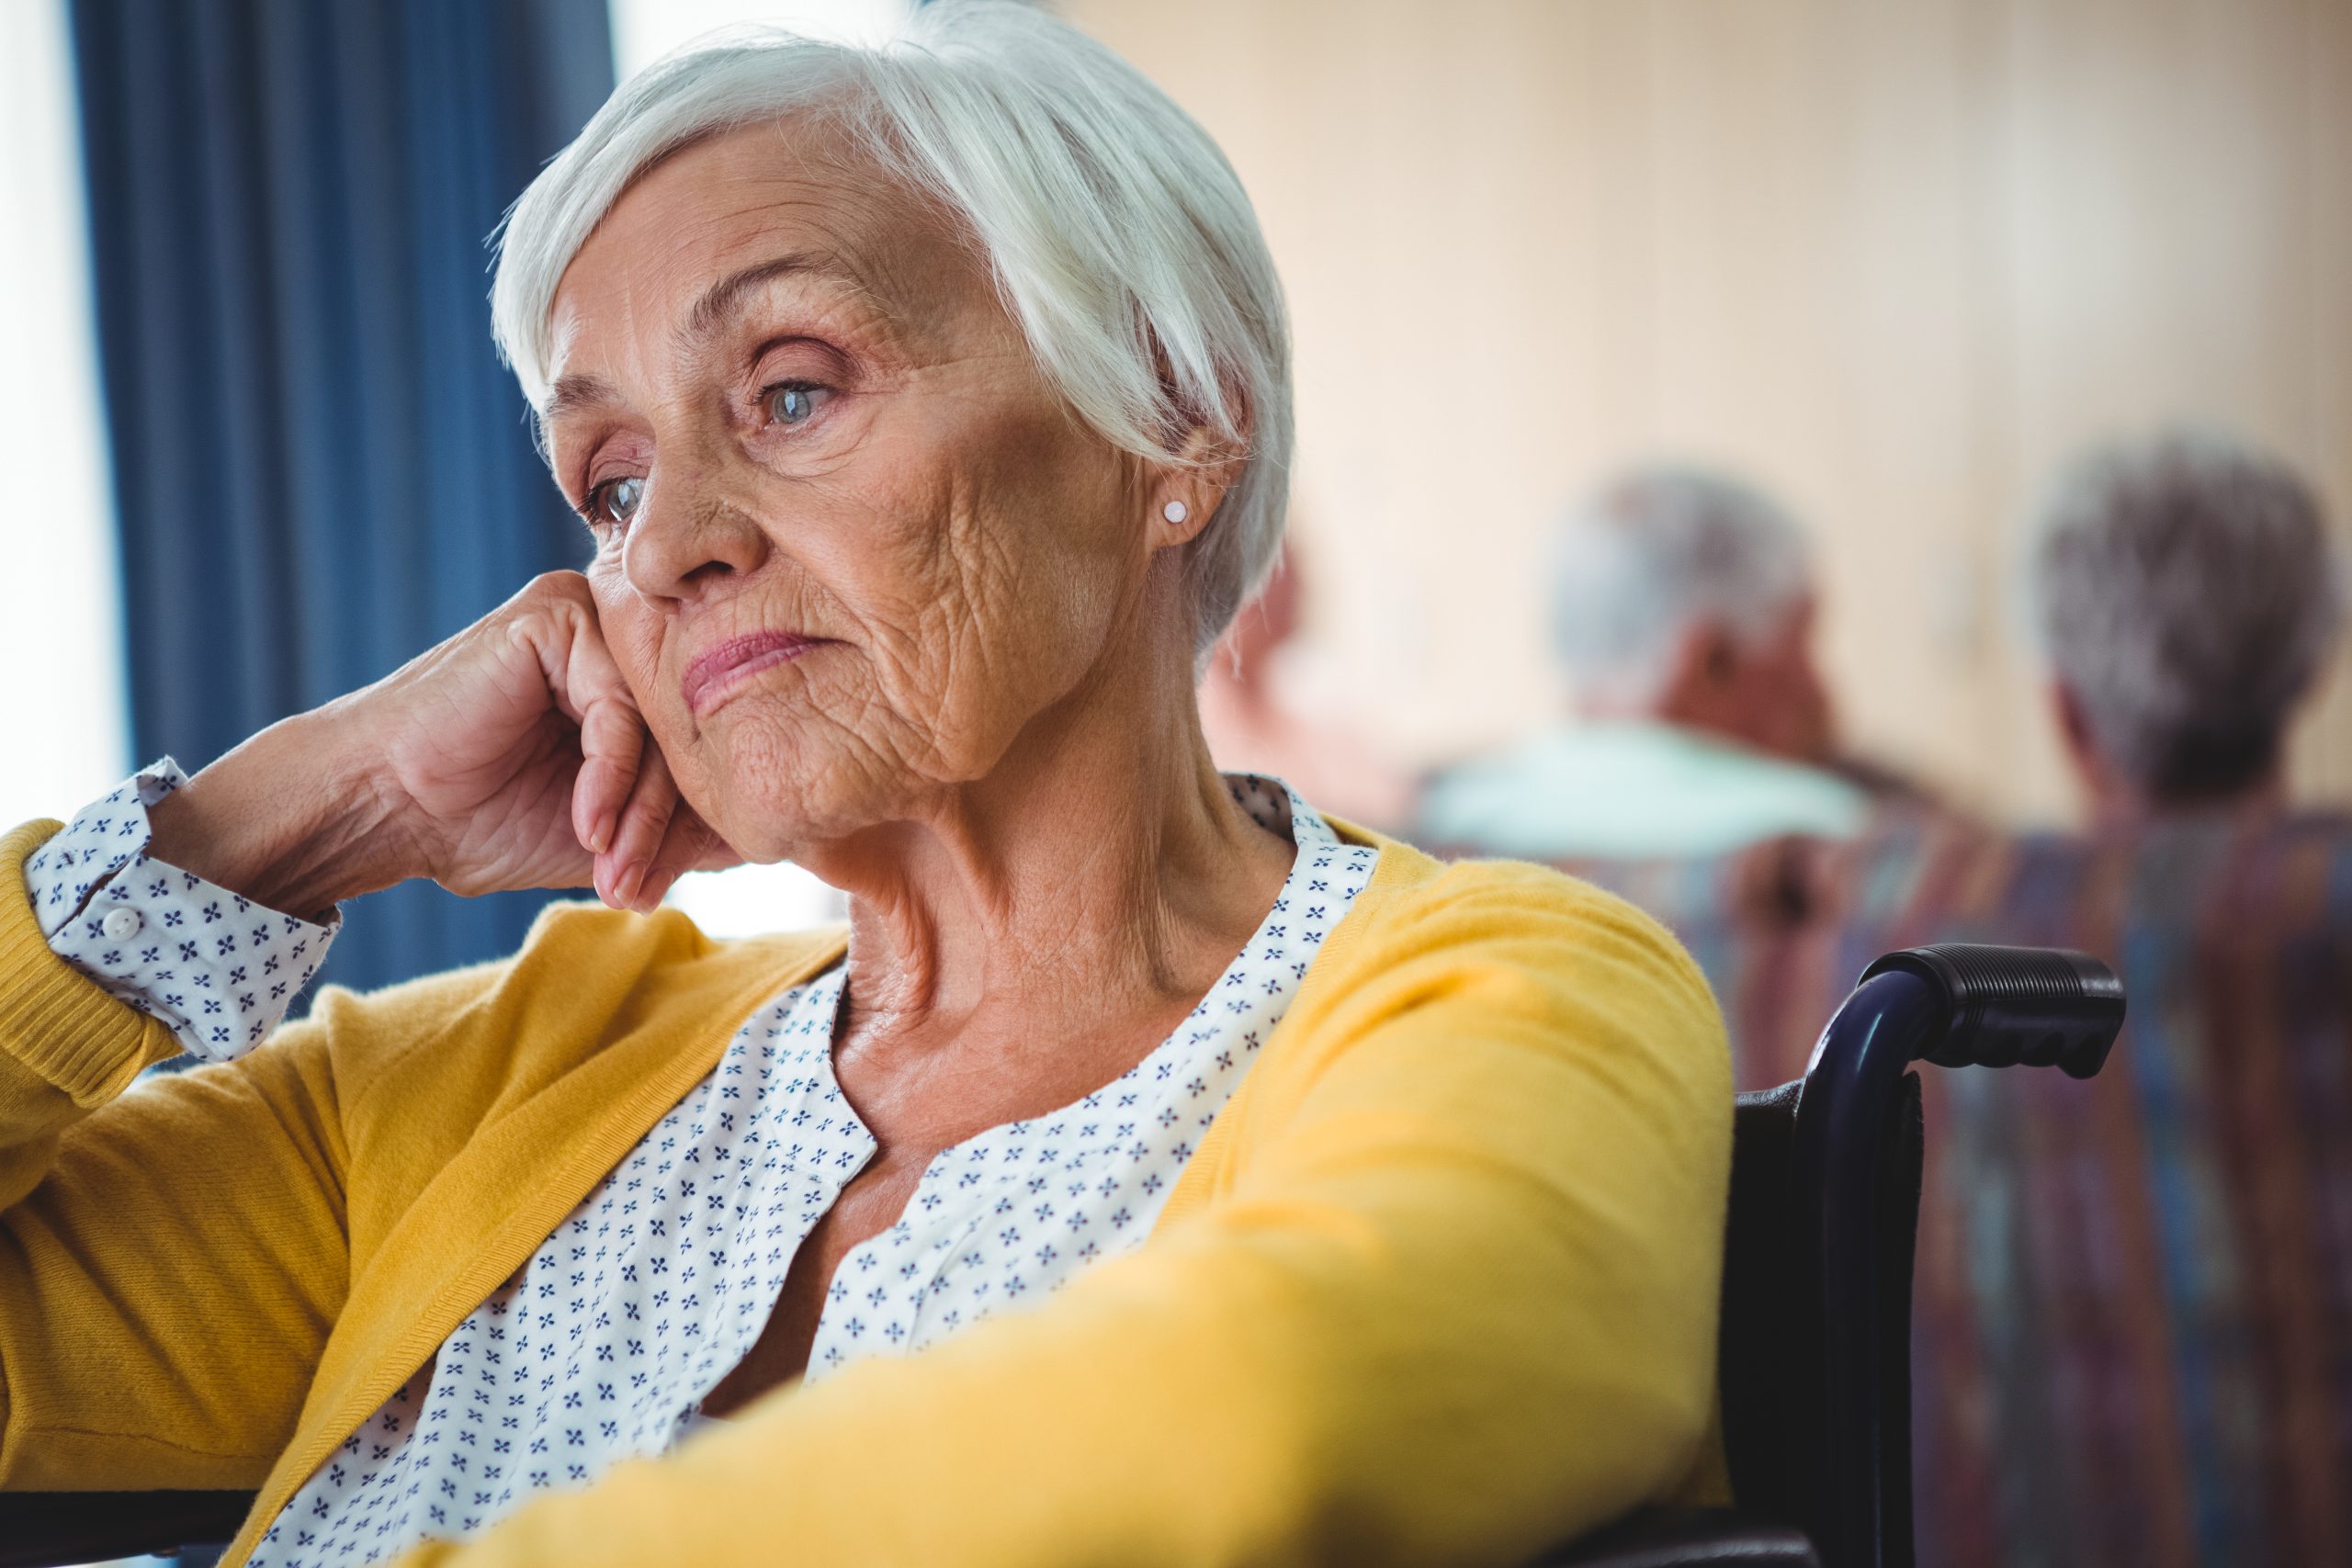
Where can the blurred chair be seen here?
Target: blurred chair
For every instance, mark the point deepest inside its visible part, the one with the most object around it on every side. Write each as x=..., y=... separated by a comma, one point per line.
x=2134, y=1301
x=1815, y=1385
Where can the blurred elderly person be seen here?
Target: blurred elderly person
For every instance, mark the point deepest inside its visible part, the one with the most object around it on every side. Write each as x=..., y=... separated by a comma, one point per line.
x=2187, y=596
x=1683, y=612
x=1153, y=1172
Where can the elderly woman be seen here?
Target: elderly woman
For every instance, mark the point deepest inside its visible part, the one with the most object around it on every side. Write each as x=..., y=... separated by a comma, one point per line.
x=1155, y=1171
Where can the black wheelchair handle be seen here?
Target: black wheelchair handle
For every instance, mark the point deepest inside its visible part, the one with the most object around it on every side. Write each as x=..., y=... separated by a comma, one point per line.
x=2036, y=1007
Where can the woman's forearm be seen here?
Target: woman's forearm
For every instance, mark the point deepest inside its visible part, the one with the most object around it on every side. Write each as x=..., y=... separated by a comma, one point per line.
x=296, y=818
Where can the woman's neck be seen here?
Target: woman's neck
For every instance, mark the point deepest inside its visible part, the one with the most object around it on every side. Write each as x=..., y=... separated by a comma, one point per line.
x=1102, y=868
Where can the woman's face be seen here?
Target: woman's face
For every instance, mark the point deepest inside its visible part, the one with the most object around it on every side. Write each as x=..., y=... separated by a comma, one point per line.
x=849, y=542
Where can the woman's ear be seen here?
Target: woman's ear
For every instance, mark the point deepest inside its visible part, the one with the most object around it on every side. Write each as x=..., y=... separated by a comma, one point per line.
x=1178, y=515
x=1184, y=497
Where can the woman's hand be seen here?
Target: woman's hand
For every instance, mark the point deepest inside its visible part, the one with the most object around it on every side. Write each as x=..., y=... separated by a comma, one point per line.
x=510, y=756
x=517, y=754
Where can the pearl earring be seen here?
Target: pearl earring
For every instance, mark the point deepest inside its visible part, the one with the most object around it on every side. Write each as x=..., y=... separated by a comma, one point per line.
x=1174, y=512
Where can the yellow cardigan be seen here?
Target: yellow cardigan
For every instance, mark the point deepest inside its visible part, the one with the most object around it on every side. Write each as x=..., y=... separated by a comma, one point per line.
x=1440, y=1286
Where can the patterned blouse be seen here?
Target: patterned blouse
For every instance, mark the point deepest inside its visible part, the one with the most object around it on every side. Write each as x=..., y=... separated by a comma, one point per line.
x=603, y=1346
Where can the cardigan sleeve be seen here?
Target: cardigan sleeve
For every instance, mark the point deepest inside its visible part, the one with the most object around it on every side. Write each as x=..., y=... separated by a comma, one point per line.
x=170, y=1259
x=1452, y=1299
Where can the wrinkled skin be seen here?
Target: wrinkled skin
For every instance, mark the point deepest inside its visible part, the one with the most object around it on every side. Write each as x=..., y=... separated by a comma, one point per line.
x=963, y=543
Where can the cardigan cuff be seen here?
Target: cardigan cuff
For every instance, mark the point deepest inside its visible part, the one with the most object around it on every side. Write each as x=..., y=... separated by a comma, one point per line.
x=217, y=969
x=54, y=1020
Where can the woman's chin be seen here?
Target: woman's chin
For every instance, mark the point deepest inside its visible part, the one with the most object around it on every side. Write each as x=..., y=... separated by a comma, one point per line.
x=763, y=824
x=773, y=807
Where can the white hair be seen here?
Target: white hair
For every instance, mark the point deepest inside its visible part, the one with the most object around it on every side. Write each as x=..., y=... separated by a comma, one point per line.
x=1120, y=240
x=1657, y=551
x=2186, y=592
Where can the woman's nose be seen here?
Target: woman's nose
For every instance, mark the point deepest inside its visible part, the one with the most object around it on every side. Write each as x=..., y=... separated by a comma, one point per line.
x=688, y=540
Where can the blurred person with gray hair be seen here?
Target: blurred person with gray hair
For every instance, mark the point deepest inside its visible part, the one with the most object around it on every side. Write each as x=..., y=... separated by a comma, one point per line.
x=2187, y=596
x=1683, y=612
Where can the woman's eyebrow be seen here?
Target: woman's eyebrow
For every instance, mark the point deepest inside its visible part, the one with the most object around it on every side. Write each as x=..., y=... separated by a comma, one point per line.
x=571, y=393
x=721, y=298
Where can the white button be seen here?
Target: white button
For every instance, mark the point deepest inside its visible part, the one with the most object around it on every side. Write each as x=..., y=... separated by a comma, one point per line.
x=121, y=925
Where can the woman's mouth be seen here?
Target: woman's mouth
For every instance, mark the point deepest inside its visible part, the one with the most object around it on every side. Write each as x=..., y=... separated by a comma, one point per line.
x=718, y=674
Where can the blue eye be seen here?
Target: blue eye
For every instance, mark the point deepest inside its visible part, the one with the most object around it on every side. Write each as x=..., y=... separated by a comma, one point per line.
x=615, y=500
x=793, y=402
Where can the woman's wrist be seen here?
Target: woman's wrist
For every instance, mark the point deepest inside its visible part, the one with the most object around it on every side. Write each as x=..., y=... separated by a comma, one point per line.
x=296, y=820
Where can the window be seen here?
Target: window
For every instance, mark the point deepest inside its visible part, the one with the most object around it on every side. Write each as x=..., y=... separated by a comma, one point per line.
x=644, y=30
x=64, y=711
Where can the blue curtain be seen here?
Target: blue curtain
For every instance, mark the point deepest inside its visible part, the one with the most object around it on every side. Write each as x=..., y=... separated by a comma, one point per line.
x=319, y=464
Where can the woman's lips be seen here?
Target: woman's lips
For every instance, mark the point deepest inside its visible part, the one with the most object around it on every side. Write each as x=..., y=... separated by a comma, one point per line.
x=714, y=674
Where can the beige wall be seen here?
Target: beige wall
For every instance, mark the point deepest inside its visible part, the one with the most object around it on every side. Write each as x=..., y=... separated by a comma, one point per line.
x=1891, y=256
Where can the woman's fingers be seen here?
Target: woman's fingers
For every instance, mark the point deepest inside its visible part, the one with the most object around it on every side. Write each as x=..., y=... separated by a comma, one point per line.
x=587, y=685
x=643, y=825
x=625, y=805
x=613, y=753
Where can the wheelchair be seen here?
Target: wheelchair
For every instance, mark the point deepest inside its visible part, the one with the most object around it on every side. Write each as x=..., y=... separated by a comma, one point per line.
x=1814, y=1351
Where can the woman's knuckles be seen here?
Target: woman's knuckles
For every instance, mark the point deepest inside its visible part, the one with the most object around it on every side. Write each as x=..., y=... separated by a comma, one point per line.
x=515, y=744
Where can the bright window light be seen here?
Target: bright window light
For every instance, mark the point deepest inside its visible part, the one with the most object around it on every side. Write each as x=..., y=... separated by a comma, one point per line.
x=644, y=30
x=752, y=898
x=63, y=706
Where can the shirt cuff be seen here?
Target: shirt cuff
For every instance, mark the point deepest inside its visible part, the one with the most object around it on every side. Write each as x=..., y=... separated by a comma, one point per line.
x=216, y=969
